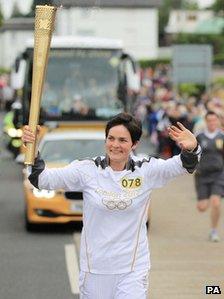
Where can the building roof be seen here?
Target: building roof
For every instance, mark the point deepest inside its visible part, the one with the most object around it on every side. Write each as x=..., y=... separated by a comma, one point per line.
x=211, y=26
x=82, y=42
x=109, y=3
x=18, y=24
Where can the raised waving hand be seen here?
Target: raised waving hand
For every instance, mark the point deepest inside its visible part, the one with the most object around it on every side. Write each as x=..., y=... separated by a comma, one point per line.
x=183, y=137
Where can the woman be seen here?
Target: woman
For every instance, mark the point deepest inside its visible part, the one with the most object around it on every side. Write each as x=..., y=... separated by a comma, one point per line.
x=114, y=254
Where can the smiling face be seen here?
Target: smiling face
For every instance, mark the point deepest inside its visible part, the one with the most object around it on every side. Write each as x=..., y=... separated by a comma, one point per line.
x=118, y=146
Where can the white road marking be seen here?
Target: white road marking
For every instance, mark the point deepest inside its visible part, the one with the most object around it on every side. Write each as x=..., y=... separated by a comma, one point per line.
x=77, y=240
x=72, y=267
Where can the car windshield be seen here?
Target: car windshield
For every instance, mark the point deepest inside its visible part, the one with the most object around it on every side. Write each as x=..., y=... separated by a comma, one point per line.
x=65, y=151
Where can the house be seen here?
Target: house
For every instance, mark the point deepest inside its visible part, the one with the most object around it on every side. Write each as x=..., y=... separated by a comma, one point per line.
x=214, y=25
x=13, y=35
x=187, y=21
x=134, y=22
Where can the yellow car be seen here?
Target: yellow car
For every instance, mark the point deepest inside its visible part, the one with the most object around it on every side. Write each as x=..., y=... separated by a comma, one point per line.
x=58, y=149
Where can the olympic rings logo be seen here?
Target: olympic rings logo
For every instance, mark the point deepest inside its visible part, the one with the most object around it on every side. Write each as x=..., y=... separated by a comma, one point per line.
x=120, y=205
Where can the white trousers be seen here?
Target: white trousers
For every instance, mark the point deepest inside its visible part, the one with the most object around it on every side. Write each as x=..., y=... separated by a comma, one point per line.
x=133, y=285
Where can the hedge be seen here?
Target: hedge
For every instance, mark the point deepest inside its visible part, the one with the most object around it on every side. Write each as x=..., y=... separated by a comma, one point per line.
x=218, y=59
x=4, y=71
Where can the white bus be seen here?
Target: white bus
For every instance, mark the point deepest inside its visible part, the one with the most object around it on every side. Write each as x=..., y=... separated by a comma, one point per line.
x=87, y=79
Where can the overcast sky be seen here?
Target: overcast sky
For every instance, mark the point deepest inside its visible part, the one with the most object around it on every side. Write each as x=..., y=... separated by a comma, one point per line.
x=24, y=5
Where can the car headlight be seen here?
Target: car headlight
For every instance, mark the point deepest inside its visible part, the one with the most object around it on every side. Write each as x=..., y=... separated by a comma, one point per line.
x=43, y=193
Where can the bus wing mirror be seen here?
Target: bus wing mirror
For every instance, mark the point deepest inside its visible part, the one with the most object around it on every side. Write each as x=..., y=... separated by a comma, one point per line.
x=133, y=75
x=18, y=74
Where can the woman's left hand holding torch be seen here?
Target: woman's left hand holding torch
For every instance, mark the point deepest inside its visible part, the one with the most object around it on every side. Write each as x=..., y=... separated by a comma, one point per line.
x=29, y=137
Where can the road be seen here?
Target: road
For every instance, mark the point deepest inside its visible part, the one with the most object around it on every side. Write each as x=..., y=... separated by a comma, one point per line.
x=183, y=260
x=32, y=266
x=35, y=266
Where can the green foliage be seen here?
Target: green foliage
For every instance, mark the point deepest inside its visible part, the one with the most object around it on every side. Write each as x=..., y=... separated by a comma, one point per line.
x=144, y=63
x=218, y=6
x=219, y=82
x=164, y=12
x=190, y=89
x=4, y=71
x=215, y=40
x=1, y=18
x=190, y=5
x=219, y=59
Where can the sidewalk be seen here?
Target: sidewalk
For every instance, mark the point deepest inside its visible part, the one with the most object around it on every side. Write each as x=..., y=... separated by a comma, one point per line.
x=183, y=260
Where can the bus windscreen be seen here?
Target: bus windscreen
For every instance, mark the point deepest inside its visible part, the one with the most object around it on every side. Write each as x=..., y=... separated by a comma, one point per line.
x=81, y=84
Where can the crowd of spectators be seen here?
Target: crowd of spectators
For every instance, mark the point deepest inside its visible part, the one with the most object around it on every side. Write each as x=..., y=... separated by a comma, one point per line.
x=159, y=105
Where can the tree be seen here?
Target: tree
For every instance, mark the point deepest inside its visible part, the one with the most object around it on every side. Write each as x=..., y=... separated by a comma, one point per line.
x=1, y=18
x=165, y=9
x=218, y=7
x=190, y=5
x=164, y=12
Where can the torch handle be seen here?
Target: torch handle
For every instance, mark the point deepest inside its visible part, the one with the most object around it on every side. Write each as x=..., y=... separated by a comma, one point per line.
x=44, y=24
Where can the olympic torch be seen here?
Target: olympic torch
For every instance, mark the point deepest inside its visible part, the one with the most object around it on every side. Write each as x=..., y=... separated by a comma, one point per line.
x=44, y=25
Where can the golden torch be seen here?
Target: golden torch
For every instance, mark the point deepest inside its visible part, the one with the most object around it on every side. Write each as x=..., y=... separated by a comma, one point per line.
x=44, y=25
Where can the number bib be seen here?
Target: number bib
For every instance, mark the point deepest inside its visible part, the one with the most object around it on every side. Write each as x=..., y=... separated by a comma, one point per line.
x=131, y=183
x=219, y=144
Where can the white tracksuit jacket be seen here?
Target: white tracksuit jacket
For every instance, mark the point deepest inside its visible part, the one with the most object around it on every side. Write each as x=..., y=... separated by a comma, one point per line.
x=115, y=204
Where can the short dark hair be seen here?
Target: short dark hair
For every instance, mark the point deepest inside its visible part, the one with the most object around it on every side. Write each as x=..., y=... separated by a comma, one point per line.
x=133, y=125
x=211, y=113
